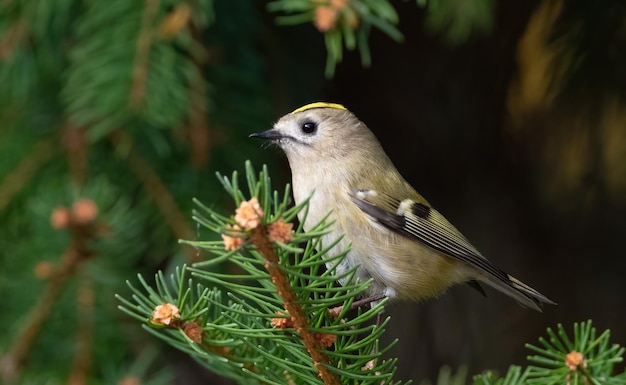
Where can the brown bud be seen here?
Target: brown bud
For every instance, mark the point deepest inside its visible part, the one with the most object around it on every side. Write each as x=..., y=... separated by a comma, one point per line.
x=84, y=211
x=193, y=330
x=60, y=218
x=44, y=269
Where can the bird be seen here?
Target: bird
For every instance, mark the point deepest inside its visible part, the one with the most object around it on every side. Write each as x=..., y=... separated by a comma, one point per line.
x=408, y=249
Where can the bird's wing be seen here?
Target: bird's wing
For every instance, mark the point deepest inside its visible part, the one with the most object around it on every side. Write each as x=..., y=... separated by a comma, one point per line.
x=424, y=224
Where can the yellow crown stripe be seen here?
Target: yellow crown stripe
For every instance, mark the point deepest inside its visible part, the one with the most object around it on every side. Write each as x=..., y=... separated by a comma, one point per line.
x=319, y=105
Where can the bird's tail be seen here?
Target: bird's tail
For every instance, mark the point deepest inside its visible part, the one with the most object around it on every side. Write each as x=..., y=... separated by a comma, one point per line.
x=518, y=290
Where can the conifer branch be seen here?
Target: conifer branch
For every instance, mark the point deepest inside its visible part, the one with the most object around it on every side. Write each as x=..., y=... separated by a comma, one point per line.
x=84, y=335
x=156, y=189
x=77, y=252
x=259, y=238
x=11, y=39
x=280, y=282
x=14, y=359
x=587, y=358
x=200, y=138
x=199, y=129
x=273, y=323
x=76, y=145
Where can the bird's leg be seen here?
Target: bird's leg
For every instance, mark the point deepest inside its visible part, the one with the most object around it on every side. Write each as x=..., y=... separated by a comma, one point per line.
x=372, y=300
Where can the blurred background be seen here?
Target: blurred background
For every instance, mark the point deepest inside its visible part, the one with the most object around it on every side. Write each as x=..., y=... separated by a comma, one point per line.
x=508, y=116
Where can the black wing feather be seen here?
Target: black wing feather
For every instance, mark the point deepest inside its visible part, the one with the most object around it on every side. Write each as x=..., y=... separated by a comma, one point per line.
x=431, y=229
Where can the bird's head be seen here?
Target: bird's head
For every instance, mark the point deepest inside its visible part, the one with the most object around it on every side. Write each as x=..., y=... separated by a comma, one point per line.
x=319, y=131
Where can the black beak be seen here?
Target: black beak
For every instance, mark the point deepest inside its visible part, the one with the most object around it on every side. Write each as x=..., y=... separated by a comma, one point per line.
x=269, y=134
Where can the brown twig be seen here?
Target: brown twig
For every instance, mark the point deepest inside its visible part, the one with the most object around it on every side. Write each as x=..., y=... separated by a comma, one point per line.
x=71, y=258
x=159, y=193
x=75, y=142
x=84, y=335
x=11, y=38
x=199, y=131
x=77, y=146
x=25, y=170
x=263, y=244
x=142, y=53
x=14, y=359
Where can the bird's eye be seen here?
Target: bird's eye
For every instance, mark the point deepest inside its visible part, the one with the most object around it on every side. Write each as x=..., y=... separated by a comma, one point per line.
x=309, y=127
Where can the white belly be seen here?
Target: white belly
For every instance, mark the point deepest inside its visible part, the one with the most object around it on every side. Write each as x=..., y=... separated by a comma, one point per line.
x=323, y=201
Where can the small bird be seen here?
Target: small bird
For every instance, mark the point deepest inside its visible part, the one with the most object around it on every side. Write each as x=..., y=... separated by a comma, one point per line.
x=396, y=238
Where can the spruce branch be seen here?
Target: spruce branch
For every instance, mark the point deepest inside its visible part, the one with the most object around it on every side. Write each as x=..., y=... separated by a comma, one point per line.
x=76, y=146
x=155, y=188
x=84, y=230
x=347, y=23
x=143, y=78
x=587, y=358
x=199, y=133
x=343, y=23
x=259, y=238
x=85, y=334
x=269, y=322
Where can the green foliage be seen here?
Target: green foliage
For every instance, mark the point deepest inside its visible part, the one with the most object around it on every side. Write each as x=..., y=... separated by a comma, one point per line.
x=588, y=358
x=514, y=376
x=236, y=309
x=448, y=377
x=86, y=86
x=99, y=101
x=457, y=20
x=155, y=73
x=349, y=23
x=346, y=24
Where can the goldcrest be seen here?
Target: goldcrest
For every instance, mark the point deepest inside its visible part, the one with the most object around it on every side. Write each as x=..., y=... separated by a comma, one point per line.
x=408, y=249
